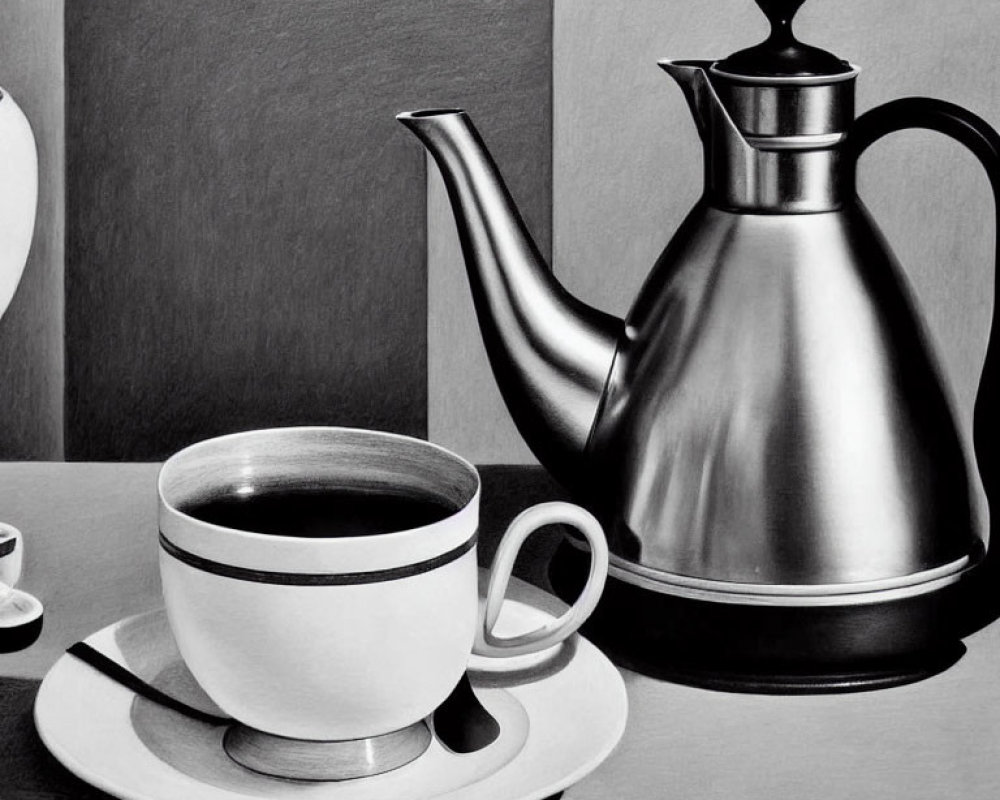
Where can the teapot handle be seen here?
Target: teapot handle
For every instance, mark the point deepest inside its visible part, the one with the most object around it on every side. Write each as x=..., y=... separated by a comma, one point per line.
x=973, y=132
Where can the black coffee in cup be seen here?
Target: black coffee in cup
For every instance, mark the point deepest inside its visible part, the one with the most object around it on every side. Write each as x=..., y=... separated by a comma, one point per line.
x=324, y=512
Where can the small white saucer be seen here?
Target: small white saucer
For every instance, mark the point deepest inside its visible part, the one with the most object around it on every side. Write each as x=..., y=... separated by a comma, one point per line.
x=561, y=714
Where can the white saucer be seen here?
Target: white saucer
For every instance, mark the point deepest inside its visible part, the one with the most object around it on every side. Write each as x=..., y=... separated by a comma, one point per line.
x=561, y=714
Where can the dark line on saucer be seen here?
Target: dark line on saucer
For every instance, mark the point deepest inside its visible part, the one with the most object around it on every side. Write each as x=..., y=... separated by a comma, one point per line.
x=130, y=680
x=7, y=546
x=315, y=579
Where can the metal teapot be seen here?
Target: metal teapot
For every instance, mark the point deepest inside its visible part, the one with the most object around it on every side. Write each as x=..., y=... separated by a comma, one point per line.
x=767, y=428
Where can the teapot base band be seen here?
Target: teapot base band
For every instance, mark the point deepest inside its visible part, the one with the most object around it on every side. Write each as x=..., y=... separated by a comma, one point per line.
x=836, y=594
x=775, y=649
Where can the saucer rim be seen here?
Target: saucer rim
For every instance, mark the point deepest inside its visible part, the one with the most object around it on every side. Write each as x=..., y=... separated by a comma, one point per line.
x=528, y=596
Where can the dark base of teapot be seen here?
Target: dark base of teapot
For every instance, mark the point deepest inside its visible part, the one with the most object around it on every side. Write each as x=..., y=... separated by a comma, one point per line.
x=767, y=648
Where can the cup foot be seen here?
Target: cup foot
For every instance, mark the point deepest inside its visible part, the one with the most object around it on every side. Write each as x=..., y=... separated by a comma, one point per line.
x=310, y=760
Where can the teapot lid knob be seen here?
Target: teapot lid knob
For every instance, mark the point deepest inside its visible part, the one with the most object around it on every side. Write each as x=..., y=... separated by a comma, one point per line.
x=781, y=54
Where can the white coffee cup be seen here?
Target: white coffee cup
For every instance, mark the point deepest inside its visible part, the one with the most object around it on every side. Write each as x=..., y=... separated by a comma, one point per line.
x=11, y=559
x=339, y=638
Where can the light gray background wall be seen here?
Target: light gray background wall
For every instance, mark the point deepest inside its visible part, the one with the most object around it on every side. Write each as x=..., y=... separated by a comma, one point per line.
x=31, y=332
x=627, y=164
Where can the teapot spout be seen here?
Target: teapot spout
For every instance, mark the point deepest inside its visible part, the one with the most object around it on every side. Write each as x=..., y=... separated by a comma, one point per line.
x=551, y=354
x=692, y=77
x=707, y=109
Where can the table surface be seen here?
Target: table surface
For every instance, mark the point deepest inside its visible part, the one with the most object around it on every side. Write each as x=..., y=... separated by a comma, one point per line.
x=90, y=532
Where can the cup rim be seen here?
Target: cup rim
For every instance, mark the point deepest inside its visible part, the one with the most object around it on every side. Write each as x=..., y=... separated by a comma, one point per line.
x=276, y=538
x=272, y=557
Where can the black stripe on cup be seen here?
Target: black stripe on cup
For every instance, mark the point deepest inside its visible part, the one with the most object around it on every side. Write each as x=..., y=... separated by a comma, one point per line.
x=7, y=546
x=316, y=579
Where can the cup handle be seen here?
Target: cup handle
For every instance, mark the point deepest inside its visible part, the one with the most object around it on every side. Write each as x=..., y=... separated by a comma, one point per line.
x=526, y=523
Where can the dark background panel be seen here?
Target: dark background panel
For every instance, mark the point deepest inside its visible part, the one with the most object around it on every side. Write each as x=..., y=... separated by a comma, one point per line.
x=31, y=331
x=245, y=218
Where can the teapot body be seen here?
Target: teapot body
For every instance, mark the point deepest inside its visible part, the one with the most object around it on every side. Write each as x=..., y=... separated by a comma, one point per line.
x=766, y=437
x=775, y=416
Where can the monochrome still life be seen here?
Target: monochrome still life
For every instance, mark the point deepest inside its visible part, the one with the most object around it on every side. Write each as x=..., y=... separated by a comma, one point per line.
x=497, y=401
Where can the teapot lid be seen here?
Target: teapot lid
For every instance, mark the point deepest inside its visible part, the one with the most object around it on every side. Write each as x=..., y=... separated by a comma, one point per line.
x=781, y=55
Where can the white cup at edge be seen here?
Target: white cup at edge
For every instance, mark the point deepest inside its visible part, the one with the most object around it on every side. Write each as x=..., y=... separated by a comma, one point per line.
x=11, y=559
